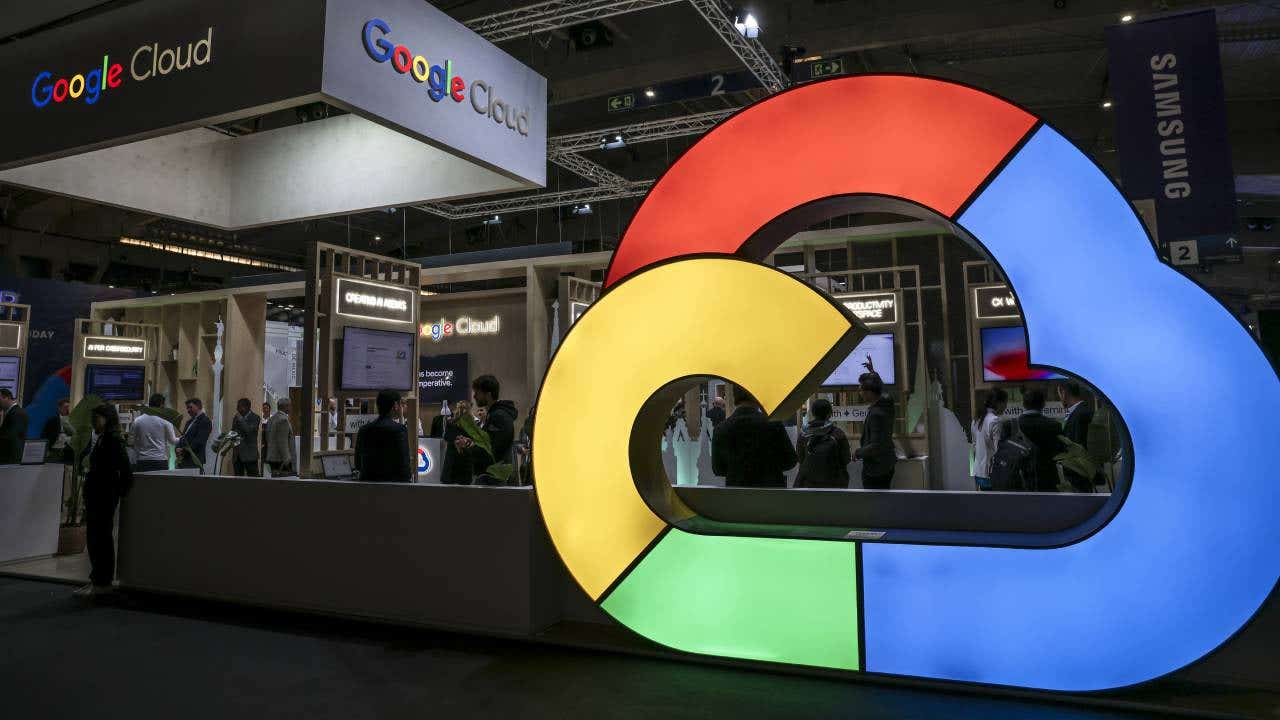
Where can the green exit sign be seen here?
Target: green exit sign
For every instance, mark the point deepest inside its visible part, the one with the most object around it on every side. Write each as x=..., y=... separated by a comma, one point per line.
x=824, y=68
x=622, y=102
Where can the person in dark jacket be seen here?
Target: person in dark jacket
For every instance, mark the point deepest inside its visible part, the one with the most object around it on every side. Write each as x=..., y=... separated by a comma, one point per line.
x=1043, y=434
x=822, y=451
x=875, y=447
x=382, y=446
x=195, y=436
x=13, y=429
x=499, y=422
x=716, y=414
x=108, y=480
x=749, y=449
x=1076, y=428
x=57, y=434
x=247, y=424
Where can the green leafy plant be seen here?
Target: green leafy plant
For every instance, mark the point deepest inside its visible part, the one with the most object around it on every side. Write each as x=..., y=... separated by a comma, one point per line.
x=82, y=422
x=501, y=471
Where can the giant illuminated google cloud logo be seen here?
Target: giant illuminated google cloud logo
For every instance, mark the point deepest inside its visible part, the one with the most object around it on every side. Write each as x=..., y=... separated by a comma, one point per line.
x=1184, y=563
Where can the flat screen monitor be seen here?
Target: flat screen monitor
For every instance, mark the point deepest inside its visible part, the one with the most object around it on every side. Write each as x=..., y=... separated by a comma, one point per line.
x=1004, y=356
x=115, y=383
x=9, y=372
x=876, y=350
x=377, y=360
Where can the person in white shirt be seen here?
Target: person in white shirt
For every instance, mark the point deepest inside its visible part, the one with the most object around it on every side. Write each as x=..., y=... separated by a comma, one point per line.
x=151, y=437
x=986, y=437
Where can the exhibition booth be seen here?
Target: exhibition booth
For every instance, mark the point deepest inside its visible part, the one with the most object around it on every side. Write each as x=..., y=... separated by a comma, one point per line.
x=623, y=526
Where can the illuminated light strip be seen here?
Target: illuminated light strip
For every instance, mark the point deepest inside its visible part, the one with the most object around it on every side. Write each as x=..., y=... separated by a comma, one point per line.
x=1139, y=598
x=207, y=254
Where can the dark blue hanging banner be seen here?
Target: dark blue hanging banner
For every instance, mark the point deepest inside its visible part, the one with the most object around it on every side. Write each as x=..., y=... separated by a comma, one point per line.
x=1171, y=127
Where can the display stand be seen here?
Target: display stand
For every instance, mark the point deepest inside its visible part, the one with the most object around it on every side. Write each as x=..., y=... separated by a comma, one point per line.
x=114, y=343
x=348, y=289
x=15, y=333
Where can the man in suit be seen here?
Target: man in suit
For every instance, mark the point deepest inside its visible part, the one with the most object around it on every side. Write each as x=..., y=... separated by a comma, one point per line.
x=1043, y=434
x=875, y=447
x=13, y=429
x=279, y=442
x=195, y=436
x=382, y=446
x=750, y=450
x=246, y=424
x=1076, y=428
x=716, y=414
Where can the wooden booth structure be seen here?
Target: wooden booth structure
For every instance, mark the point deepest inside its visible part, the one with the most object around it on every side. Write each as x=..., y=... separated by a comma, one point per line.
x=117, y=360
x=15, y=336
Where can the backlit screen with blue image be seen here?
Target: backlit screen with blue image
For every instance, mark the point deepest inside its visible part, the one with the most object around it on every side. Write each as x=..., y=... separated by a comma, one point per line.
x=875, y=350
x=1004, y=356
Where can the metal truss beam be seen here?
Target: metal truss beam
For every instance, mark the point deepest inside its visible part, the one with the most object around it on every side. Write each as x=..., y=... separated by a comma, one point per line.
x=585, y=168
x=640, y=132
x=750, y=52
x=537, y=202
x=553, y=15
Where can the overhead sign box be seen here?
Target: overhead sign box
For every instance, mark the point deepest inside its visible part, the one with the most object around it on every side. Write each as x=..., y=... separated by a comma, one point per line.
x=872, y=308
x=120, y=108
x=375, y=301
x=994, y=302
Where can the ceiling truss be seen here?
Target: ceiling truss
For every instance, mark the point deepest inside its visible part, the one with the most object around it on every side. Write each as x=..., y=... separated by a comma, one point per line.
x=564, y=150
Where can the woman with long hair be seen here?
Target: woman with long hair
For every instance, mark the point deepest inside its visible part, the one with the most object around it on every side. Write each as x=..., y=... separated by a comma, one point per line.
x=109, y=479
x=986, y=436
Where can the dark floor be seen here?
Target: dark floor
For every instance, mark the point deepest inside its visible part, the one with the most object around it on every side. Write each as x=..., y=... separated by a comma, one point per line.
x=157, y=657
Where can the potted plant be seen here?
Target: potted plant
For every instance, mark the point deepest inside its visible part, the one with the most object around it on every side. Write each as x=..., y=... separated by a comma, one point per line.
x=500, y=472
x=71, y=532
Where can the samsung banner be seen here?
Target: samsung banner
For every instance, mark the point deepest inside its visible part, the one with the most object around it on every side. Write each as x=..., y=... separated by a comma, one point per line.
x=1171, y=128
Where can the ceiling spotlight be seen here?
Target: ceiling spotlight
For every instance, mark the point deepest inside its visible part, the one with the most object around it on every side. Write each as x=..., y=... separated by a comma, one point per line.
x=495, y=220
x=583, y=209
x=113, y=287
x=1127, y=17
x=377, y=238
x=747, y=26
x=650, y=93
x=1106, y=104
x=612, y=141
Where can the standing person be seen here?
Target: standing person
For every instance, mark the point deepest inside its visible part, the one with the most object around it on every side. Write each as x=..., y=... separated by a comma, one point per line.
x=13, y=429
x=499, y=421
x=457, y=466
x=986, y=436
x=151, y=436
x=195, y=436
x=1043, y=434
x=279, y=438
x=875, y=447
x=333, y=415
x=749, y=449
x=382, y=446
x=108, y=480
x=246, y=423
x=1076, y=428
x=262, y=443
x=716, y=414
x=57, y=434
x=822, y=451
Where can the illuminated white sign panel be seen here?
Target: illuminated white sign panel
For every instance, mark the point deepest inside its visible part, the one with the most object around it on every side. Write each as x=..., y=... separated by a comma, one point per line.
x=374, y=301
x=994, y=303
x=873, y=308
x=114, y=348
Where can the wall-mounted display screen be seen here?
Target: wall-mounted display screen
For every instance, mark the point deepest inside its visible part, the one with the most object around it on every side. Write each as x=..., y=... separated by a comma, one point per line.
x=10, y=369
x=115, y=383
x=875, y=350
x=377, y=360
x=1004, y=356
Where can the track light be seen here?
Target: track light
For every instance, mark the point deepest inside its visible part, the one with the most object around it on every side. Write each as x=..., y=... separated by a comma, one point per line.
x=495, y=220
x=583, y=209
x=650, y=93
x=612, y=141
x=747, y=26
x=1106, y=104
x=1126, y=18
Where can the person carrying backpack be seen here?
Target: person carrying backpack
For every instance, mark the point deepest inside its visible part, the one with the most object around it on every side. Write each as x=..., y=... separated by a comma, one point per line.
x=823, y=451
x=1013, y=466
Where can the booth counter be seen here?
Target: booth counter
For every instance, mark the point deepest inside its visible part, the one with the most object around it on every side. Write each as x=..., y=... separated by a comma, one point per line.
x=30, y=510
x=467, y=558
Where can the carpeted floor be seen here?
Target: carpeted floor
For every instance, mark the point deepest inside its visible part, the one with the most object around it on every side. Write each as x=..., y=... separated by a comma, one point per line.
x=158, y=657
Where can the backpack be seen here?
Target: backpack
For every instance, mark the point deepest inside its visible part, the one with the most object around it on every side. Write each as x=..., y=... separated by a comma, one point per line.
x=1013, y=468
x=822, y=466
